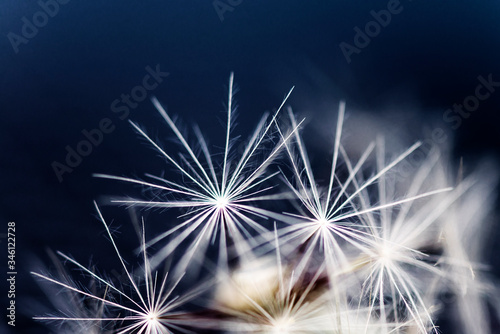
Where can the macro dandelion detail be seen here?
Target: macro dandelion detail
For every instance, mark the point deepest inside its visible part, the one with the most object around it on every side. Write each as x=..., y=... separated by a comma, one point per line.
x=327, y=210
x=362, y=250
x=218, y=197
x=277, y=300
x=147, y=306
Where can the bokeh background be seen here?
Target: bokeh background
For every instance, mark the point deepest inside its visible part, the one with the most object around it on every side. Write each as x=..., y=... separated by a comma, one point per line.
x=64, y=78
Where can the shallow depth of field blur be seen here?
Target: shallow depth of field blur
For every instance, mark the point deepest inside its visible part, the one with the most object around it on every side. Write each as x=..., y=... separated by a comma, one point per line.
x=404, y=79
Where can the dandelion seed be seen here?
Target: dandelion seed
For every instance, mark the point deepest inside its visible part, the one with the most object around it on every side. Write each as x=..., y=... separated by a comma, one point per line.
x=465, y=228
x=218, y=198
x=265, y=297
x=325, y=221
x=153, y=311
x=397, y=263
x=74, y=306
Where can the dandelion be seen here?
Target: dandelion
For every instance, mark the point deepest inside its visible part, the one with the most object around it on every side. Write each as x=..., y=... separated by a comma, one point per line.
x=396, y=264
x=152, y=309
x=325, y=213
x=270, y=295
x=264, y=296
x=465, y=227
x=72, y=304
x=365, y=252
x=325, y=222
x=218, y=197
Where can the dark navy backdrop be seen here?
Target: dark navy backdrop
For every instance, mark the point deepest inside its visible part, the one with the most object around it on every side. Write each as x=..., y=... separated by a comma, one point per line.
x=61, y=78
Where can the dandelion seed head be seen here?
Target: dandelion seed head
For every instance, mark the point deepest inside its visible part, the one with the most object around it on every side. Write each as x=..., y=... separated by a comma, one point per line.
x=365, y=252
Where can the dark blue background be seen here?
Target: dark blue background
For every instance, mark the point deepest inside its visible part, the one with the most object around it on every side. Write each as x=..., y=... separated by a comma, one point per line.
x=65, y=78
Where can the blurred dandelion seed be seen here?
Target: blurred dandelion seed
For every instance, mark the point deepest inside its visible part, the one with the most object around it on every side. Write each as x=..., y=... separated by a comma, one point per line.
x=270, y=298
